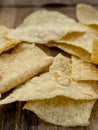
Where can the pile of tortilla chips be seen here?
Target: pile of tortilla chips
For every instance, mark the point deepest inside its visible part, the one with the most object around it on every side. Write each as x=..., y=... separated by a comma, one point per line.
x=60, y=90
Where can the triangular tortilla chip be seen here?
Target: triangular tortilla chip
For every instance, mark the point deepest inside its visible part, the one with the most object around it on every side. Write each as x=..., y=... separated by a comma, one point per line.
x=62, y=111
x=86, y=14
x=71, y=49
x=94, y=55
x=25, y=61
x=45, y=26
x=44, y=16
x=5, y=44
x=82, y=70
x=82, y=40
x=56, y=82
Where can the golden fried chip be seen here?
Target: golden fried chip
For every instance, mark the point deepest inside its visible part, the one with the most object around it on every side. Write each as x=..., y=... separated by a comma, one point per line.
x=55, y=20
x=44, y=26
x=48, y=86
x=82, y=70
x=56, y=82
x=86, y=14
x=25, y=61
x=94, y=55
x=62, y=111
x=43, y=34
x=44, y=16
x=82, y=40
x=71, y=49
x=5, y=44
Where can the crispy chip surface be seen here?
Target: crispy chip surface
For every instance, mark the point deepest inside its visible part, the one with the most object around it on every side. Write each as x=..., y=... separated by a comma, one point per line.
x=44, y=16
x=62, y=111
x=56, y=82
x=25, y=61
x=42, y=34
x=94, y=56
x=86, y=14
x=71, y=49
x=44, y=26
x=5, y=44
x=82, y=70
x=82, y=40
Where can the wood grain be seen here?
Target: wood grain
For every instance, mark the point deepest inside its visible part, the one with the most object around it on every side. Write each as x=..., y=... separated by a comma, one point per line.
x=44, y=2
x=12, y=117
x=8, y=16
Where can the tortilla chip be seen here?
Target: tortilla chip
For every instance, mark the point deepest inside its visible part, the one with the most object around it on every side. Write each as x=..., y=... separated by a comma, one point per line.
x=62, y=111
x=86, y=14
x=5, y=44
x=54, y=83
x=55, y=20
x=25, y=61
x=82, y=40
x=42, y=34
x=61, y=63
x=71, y=49
x=44, y=26
x=94, y=56
x=82, y=70
x=41, y=17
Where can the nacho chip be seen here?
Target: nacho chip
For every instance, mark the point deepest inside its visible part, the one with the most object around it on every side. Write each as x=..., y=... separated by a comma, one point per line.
x=52, y=18
x=62, y=111
x=5, y=44
x=61, y=63
x=94, y=56
x=71, y=49
x=25, y=61
x=82, y=70
x=44, y=26
x=48, y=86
x=41, y=17
x=82, y=40
x=54, y=83
x=43, y=34
x=86, y=14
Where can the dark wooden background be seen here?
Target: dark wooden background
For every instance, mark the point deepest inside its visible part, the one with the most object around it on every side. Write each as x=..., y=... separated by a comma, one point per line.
x=12, y=12
x=43, y=2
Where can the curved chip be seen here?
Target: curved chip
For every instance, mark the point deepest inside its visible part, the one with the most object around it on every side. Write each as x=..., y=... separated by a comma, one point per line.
x=24, y=62
x=44, y=26
x=83, y=71
x=94, y=55
x=71, y=49
x=56, y=82
x=62, y=111
x=6, y=44
x=43, y=34
x=82, y=40
x=86, y=14
x=44, y=16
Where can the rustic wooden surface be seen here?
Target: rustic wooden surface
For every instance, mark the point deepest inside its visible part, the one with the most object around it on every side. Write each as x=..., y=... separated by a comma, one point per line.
x=12, y=117
x=44, y=2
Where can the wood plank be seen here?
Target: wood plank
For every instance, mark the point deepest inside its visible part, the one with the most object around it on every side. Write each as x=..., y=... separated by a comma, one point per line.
x=44, y=2
x=7, y=16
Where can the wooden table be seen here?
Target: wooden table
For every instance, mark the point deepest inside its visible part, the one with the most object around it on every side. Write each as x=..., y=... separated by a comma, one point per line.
x=12, y=117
